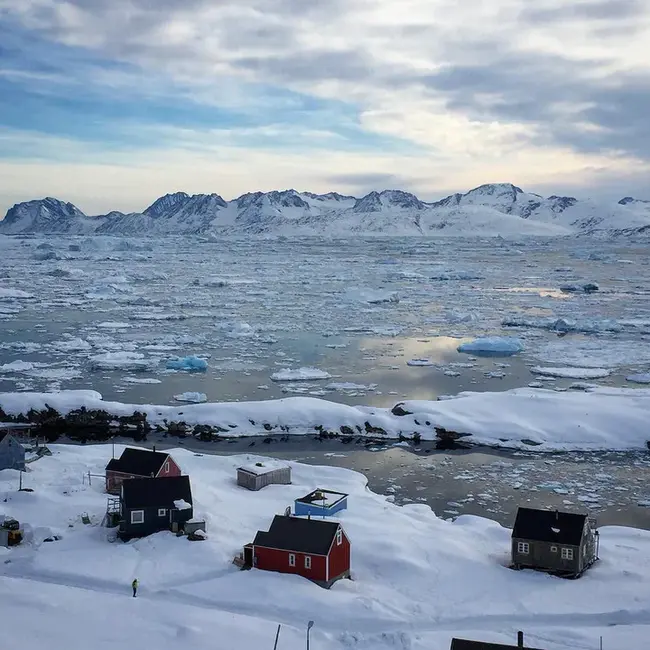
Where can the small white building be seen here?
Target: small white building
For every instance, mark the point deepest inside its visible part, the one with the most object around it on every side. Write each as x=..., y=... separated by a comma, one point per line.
x=258, y=475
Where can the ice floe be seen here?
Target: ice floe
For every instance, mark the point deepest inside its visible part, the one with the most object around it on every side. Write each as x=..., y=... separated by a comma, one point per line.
x=191, y=397
x=133, y=361
x=492, y=346
x=572, y=373
x=300, y=374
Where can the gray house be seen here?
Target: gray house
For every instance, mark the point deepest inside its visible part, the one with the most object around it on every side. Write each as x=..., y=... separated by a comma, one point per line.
x=258, y=475
x=564, y=543
x=12, y=453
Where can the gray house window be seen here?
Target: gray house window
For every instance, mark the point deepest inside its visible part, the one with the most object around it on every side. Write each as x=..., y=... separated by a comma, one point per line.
x=162, y=512
x=137, y=516
x=567, y=554
x=553, y=549
x=523, y=548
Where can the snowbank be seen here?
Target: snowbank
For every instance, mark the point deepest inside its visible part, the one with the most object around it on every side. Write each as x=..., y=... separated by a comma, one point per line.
x=602, y=418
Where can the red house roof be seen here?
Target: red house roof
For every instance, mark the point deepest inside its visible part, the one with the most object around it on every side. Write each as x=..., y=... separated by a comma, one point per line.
x=311, y=536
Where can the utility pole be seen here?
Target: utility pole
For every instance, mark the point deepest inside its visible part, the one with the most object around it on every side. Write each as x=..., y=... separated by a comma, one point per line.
x=277, y=636
x=309, y=626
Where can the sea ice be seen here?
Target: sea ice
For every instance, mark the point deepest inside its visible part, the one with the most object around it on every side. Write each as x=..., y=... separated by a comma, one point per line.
x=642, y=378
x=133, y=361
x=301, y=374
x=371, y=296
x=420, y=362
x=17, y=366
x=572, y=373
x=191, y=397
x=189, y=364
x=492, y=346
x=10, y=294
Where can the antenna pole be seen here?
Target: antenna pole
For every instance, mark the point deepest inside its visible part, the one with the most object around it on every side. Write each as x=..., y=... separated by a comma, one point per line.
x=277, y=636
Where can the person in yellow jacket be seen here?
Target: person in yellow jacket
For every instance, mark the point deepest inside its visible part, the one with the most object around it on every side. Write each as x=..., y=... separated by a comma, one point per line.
x=134, y=584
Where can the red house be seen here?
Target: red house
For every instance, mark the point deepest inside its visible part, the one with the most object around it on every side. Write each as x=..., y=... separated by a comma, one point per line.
x=139, y=463
x=313, y=548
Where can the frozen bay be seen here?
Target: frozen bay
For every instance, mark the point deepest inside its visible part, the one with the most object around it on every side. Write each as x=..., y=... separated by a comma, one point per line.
x=359, y=310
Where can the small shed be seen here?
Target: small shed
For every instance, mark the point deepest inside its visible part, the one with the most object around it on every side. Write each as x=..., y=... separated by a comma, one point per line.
x=255, y=476
x=564, y=543
x=139, y=463
x=12, y=453
x=466, y=644
x=149, y=505
x=321, y=503
x=315, y=549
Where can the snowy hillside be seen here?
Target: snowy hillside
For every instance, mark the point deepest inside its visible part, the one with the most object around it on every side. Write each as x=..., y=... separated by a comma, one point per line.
x=489, y=210
x=417, y=580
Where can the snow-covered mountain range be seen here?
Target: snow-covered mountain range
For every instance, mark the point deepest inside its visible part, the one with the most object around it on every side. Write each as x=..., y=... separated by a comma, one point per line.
x=489, y=210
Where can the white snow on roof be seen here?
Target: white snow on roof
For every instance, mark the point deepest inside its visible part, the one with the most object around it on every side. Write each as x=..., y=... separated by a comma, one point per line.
x=263, y=467
x=181, y=504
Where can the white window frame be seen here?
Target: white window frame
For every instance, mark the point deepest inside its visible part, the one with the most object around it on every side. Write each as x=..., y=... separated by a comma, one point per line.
x=553, y=549
x=140, y=518
x=307, y=562
x=292, y=559
x=523, y=548
x=162, y=512
x=567, y=554
x=339, y=537
x=166, y=467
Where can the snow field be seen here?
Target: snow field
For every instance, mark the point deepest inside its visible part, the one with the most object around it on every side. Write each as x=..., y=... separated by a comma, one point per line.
x=417, y=579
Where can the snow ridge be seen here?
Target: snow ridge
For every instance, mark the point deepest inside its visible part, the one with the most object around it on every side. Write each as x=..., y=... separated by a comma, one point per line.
x=498, y=209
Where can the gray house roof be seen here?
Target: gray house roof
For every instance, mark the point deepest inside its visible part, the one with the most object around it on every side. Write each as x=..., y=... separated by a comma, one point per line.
x=549, y=526
x=465, y=644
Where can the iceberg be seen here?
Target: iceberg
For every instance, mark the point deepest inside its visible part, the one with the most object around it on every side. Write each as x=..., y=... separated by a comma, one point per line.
x=189, y=364
x=420, y=362
x=492, y=346
x=191, y=397
x=301, y=374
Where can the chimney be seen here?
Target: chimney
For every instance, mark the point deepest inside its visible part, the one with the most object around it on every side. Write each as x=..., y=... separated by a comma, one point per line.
x=520, y=639
x=154, y=448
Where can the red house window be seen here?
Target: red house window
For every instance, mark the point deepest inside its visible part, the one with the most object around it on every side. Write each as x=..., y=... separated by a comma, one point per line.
x=307, y=562
x=292, y=559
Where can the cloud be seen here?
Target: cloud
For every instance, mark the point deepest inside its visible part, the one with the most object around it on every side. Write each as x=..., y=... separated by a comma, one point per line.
x=450, y=94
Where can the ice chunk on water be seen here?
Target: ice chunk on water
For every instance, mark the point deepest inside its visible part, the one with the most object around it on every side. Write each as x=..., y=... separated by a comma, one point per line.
x=420, y=362
x=371, y=296
x=641, y=378
x=492, y=346
x=572, y=373
x=133, y=361
x=301, y=374
x=189, y=364
x=192, y=397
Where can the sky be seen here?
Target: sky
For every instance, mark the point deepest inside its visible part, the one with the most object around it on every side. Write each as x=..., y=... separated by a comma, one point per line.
x=112, y=103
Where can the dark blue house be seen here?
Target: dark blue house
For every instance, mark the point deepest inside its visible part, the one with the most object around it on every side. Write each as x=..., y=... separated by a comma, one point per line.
x=149, y=505
x=321, y=503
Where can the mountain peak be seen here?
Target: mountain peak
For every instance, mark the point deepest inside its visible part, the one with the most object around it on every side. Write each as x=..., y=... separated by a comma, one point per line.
x=166, y=203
